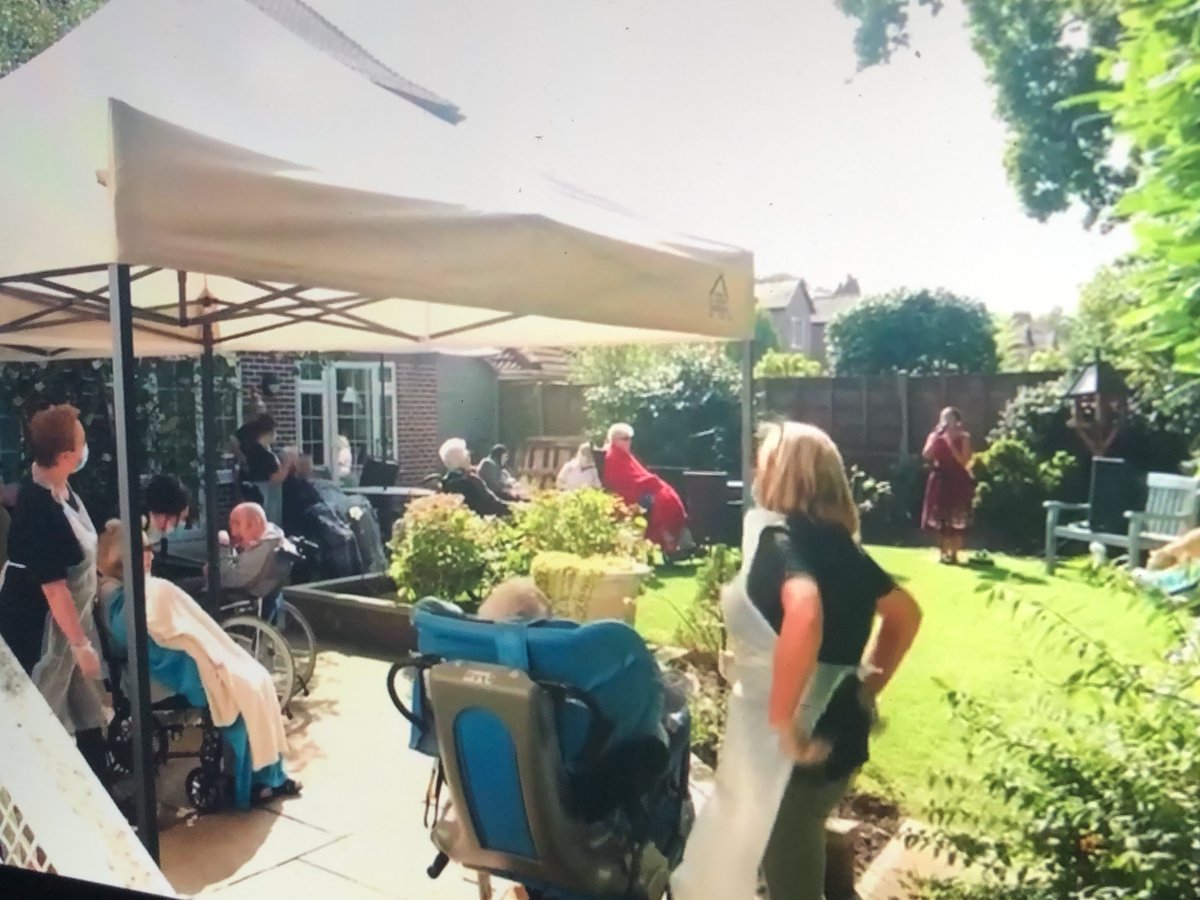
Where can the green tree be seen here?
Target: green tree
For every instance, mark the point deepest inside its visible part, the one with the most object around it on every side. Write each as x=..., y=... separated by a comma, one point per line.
x=685, y=408
x=1038, y=54
x=919, y=332
x=27, y=27
x=1103, y=303
x=766, y=339
x=1157, y=108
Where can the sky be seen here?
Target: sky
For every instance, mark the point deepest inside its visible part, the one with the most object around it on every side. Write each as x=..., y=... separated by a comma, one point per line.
x=746, y=122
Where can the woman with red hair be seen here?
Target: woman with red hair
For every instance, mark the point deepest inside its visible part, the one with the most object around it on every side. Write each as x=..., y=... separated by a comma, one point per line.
x=637, y=486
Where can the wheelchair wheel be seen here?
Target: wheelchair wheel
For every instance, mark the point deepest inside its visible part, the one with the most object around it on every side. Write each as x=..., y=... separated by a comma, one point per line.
x=119, y=745
x=267, y=646
x=301, y=640
x=205, y=790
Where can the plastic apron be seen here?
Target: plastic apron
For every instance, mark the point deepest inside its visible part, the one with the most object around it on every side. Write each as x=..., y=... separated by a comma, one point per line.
x=727, y=843
x=73, y=698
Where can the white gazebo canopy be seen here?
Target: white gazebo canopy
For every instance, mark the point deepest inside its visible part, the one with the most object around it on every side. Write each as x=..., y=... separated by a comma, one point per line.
x=254, y=171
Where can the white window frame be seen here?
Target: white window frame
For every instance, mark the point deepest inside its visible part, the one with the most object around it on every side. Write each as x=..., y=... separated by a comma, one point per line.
x=326, y=388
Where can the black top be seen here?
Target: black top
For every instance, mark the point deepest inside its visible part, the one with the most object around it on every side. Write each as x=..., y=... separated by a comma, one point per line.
x=477, y=495
x=850, y=582
x=261, y=463
x=41, y=548
x=299, y=496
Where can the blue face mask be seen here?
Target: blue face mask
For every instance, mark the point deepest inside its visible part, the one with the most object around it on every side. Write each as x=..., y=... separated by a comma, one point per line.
x=82, y=460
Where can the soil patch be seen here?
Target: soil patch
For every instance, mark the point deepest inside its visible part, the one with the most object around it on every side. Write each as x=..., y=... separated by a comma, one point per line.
x=880, y=820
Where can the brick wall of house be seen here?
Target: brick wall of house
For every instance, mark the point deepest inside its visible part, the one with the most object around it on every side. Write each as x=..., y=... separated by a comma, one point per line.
x=416, y=405
x=417, y=416
x=282, y=404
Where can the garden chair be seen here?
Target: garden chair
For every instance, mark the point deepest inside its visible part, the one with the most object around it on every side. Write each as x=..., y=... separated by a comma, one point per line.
x=1171, y=509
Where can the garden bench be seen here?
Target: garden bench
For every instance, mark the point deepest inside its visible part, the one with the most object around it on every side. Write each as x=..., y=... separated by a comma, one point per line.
x=1171, y=509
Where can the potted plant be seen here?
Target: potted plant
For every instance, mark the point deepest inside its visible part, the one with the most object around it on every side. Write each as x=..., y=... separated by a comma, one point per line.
x=604, y=587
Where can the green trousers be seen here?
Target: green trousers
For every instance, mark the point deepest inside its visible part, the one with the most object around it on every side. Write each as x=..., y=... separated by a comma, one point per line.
x=794, y=862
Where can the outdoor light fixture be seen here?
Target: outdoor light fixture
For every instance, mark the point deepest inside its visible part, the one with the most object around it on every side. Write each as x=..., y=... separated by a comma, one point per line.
x=270, y=383
x=1099, y=405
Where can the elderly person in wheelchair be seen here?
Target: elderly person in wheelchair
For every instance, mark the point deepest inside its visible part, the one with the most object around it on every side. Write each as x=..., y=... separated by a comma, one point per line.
x=196, y=666
x=564, y=754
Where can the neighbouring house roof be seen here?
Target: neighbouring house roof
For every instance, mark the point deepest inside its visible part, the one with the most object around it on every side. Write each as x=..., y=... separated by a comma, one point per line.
x=1028, y=334
x=776, y=292
x=532, y=364
x=827, y=304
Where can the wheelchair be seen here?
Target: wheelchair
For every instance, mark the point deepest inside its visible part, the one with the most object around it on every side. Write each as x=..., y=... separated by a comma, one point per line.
x=207, y=785
x=565, y=758
x=268, y=627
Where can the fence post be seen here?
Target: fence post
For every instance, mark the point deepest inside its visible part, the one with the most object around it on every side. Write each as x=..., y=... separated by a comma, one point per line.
x=866, y=418
x=905, y=425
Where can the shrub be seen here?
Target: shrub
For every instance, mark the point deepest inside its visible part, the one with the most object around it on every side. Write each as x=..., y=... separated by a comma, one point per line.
x=872, y=496
x=701, y=627
x=587, y=523
x=781, y=364
x=907, y=478
x=1101, y=796
x=443, y=550
x=1011, y=488
x=1164, y=423
x=708, y=705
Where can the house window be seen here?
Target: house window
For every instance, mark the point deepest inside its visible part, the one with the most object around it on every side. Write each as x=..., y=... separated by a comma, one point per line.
x=355, y=400
x=799, y=333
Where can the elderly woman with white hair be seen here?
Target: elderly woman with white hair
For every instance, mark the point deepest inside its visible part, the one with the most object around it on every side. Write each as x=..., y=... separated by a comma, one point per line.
x=461, y=479
x=666, y=518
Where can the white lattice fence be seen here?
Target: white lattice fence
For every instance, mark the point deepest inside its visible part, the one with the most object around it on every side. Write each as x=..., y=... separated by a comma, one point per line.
x=55, y=816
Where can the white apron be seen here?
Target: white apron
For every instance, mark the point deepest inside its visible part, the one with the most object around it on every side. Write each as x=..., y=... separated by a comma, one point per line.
x=73, y=698
x=726, y=846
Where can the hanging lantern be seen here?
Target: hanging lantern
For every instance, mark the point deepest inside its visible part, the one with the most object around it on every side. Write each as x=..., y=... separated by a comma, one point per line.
x=1099, y=405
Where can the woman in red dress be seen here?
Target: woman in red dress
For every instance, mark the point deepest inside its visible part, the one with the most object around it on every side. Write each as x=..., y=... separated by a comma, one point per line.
x=950, y=488
x=666, y=519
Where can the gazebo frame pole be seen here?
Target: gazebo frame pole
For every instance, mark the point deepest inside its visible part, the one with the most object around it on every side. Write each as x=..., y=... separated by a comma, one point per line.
x=209, y=462
x=129, y=448
x=747, y=422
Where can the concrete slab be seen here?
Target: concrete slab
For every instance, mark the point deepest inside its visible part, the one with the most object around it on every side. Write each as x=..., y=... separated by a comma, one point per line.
x=297, y=880
x=395, y=866
x=203, y=853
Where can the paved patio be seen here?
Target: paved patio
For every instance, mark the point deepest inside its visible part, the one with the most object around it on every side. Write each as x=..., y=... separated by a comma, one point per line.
x=355, y=832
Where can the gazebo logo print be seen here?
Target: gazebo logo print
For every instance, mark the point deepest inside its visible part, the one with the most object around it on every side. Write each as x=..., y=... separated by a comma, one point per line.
x=718, y=299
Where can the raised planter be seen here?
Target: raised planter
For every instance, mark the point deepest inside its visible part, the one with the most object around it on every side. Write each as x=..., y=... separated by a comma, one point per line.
x=361, y=611
x=615, y=596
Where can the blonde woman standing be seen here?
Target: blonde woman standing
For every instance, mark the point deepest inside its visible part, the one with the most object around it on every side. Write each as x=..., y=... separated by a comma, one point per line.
x=799, y=617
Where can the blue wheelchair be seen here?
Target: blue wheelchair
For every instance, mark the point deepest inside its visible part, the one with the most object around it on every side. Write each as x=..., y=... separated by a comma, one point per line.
x=565, y=758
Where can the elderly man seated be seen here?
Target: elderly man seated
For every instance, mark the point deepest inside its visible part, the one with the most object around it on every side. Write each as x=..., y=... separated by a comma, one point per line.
x=461, y=479
x=250, y=551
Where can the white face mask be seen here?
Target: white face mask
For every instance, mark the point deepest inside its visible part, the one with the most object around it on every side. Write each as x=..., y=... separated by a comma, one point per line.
x=82, y=460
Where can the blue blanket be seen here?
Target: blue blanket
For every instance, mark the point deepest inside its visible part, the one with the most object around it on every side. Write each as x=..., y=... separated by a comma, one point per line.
x=179, y=674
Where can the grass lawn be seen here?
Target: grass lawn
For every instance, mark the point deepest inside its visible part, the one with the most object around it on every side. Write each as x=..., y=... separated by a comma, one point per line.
x=978, y=648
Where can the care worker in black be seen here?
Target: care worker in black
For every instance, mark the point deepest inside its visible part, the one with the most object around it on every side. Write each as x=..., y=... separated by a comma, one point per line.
x=49, y=582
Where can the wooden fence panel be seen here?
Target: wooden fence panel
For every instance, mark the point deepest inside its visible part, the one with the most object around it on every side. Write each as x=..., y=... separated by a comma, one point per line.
x=877, y=421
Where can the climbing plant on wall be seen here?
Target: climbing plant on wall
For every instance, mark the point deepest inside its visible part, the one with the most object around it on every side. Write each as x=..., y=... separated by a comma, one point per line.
x=164, y=405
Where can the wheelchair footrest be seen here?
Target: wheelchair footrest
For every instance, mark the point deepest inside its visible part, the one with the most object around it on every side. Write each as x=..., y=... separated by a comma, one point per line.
x=438, y=866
